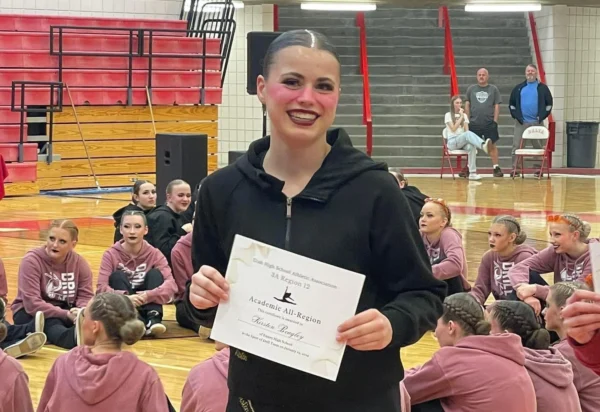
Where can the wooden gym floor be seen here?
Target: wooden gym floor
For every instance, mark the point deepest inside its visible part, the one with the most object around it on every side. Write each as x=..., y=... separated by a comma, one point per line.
x=23, y=223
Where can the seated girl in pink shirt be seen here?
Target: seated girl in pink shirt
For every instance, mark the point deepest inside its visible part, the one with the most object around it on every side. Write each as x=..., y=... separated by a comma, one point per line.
x=471, y=362
x=136, y=269
x=550, y=372
x=506, y=239
x=586, y=381
x=568, y=257
x=99, y=376
x=14, y=388
x=55, y=280
x=444, y=245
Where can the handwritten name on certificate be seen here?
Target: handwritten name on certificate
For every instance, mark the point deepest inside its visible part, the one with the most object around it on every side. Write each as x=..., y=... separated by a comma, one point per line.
x=286, y=308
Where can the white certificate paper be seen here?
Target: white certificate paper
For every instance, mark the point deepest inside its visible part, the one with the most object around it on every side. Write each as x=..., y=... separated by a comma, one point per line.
x=286, y=308
x=595, y=258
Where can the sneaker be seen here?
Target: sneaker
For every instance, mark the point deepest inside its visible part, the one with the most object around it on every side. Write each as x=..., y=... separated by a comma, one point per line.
x=79, y=328
x=154, y=327
x=486, y=146
x=474, y=176
x=498, y=172
x=28, y=346
x=204, y=332
x=40, y=322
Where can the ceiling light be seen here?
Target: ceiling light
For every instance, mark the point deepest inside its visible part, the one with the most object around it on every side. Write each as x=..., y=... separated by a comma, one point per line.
x=212, y=7
x=504, y=7
x=339, y=6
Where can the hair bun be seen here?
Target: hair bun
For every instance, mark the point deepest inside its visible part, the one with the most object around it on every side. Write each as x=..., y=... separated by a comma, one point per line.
x=538, y=339
x=132, y=331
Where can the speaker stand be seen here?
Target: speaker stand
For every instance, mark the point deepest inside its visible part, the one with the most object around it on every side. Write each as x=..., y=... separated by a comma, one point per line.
x=264, y=119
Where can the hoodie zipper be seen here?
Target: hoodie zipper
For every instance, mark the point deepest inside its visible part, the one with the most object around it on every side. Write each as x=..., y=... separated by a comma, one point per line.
x=288, y=222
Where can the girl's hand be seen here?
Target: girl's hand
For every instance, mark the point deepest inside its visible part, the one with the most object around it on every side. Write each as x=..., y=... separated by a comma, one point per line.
x=137, y=300
x=369, y=330
x=535, y=304
x=582, y=315
x=525, y=291
x=208, y=288
x=187, y=227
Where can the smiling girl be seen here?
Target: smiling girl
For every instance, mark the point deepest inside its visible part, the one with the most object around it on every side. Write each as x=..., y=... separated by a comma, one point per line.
x=307, y=190
x=57, y=281
x=444, y=245
x=134, y=268
x=165, y=223
x=506, y=239
x=143, y=199
x=568, y=257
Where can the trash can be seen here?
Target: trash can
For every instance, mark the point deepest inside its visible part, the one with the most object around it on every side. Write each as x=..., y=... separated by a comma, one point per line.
x=581, y=144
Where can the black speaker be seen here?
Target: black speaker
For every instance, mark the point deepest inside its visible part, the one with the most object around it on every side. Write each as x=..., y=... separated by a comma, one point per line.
x=258, y=43
x=180, y=156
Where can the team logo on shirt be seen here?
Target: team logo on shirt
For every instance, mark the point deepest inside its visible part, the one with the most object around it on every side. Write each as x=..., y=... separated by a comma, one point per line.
x=482, y=96
x=577, y=272
x=434, y=255
x=136, y=276
x=501, y=277
x=61, y=288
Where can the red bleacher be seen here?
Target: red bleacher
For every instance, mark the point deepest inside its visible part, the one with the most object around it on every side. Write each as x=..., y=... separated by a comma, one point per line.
x=97, y=80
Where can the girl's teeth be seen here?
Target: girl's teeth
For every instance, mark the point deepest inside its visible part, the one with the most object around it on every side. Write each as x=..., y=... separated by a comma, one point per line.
x=303, y=116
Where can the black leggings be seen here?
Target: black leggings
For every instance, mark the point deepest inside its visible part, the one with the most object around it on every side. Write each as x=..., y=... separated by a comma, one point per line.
x=120, y=281
x=381, y=402
x=58, y=331
x=16, y=333
x=432, y=406
x=183, y=319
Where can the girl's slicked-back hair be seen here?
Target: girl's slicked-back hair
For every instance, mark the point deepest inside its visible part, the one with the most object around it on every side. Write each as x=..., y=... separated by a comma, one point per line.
x=562, y=291
x=118, y=316
x=519, y=318
x=305, y=38
x=137, y=186
x=513, y=226
x=67, y=225
x=463, y=309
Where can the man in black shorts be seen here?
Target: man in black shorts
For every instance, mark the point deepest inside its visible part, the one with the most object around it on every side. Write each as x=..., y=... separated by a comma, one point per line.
x=483, y=108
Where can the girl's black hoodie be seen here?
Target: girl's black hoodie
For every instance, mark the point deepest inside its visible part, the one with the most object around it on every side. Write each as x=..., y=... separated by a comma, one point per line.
x=351, y=215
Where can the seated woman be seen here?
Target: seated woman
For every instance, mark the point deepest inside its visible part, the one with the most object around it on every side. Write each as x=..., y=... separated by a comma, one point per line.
x=506, y=239
x=568, y=257
x=444, y=245
x=551, y=373
x=165, y=223
x=56, y=281
x=586, y=381
x=461, y=375
x=143, y=199
x=205, y=388
x=134, y=268
x=100, y=376
x=14, y=383
x=20, y=340
x=460, y=138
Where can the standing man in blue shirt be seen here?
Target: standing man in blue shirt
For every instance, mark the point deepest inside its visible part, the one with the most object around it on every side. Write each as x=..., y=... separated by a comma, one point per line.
x=530, y=104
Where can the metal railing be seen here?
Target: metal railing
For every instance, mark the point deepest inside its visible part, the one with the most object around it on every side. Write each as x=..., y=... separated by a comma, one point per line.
x=137, y=39
x=364, y=71
x=54, y=106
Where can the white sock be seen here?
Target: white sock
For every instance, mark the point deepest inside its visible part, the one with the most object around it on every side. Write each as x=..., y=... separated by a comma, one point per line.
x=495, y=166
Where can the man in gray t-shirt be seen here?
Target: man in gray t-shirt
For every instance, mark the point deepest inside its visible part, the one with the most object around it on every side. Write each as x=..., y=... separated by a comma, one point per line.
x=483, y=108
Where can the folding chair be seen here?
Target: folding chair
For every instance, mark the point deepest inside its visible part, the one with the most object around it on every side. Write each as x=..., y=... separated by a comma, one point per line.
x=533, y=133
x=449, y=154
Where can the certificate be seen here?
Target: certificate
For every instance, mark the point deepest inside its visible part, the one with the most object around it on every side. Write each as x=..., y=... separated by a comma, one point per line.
x=595, y=259
x=286, y=308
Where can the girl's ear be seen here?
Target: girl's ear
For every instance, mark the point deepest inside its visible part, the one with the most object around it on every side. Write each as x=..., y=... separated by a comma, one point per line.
x=260, y=89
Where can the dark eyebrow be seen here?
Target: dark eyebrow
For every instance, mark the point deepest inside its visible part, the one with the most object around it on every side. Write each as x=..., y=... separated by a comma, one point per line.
x=320, y=79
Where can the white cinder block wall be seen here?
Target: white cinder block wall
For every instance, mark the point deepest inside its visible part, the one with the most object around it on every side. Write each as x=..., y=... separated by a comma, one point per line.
x=570, y=44
x=240, y=115
x=146, y=9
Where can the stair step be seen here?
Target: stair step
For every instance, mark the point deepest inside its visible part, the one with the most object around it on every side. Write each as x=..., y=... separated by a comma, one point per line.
x=38, y=138
x=10, y=152
x=44, y=158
